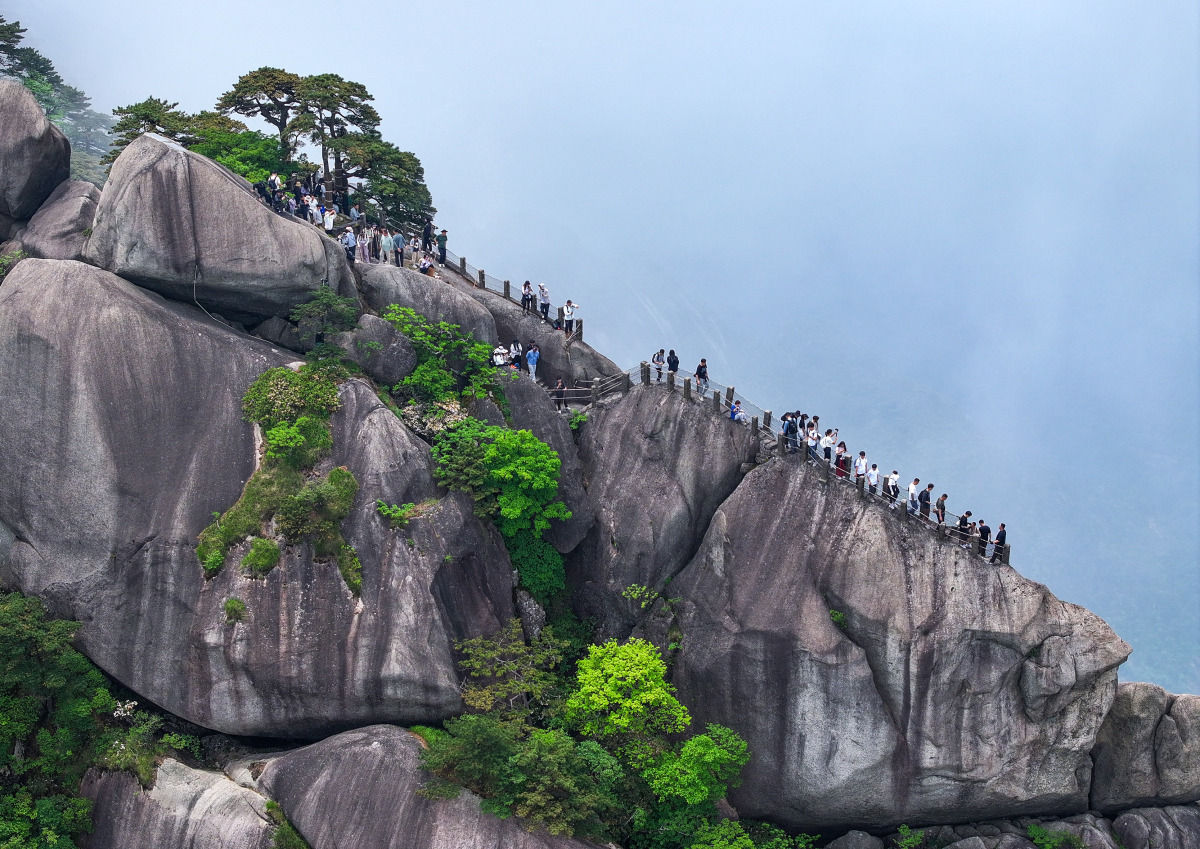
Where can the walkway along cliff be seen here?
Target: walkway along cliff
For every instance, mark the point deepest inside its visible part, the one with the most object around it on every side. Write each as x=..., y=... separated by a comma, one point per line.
x=880, y=673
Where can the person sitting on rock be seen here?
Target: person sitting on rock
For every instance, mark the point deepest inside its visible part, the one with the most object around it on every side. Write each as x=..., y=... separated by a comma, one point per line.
x=500, y=356
x=736, y=413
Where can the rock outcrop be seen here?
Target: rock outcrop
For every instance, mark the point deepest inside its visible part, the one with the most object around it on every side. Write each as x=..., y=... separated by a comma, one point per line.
x=34, y=156
x=956, y=690
x=186, y=809
x=656, y=468
x=122, y=433
x=180, y=224
x=59, y=229
x=533, y=410
x=384, y=354
x=436, y=300
x=1175, y=827
x=359, y=789
x=1148, y=750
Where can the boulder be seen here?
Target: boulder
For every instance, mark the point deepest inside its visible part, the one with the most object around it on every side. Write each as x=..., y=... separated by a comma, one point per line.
x=279, y=332
x=656, y=468
x=856, y=840
x=1148, y=750
x=533, y=410
x=181, y=225
x=121, y=434
x=360, y=789
x=34, y=155
x=59, y=229
x=1176, y=827
x=952, y=690
x=435, y=299
x=186, y=809
x=572, y=361
x=385, y=354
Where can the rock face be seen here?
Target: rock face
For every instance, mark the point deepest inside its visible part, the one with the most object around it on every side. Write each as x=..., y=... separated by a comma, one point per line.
x=34, y=155
x=186, y=809
x=656, y=467
x=122, y=433
x=956, y=691
x=533, y=410
x=436, y=300
x=1148, y=750
x=59, y=229
x=574, y=362
x=383, y=353
x=182, y=225
x=359, y=789
x=1159, y=828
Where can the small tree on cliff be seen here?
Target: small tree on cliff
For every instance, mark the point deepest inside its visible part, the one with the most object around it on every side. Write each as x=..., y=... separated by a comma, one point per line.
x=152, y=115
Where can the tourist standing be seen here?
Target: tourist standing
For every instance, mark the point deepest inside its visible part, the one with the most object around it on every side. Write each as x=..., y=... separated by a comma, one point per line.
x=940, y=509
x=531, y=359
x=659, y=360
x=892, y=487
x=515, y=351
x=873, y=479
x=860, y=466
x=672, y=365
x=560, y=396
x=1001, y=538
x=702, y=376
x=527, y=299
x=985, y=534
x=569, y=310
x=925, y=496
x=427, y=235
x=441, y=243
x=350, y=243
x=913, y=504
x=544, y=301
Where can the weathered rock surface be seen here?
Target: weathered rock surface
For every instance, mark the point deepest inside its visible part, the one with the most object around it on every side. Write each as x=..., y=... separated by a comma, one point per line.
x=533, y=410
x=383, y=353
x=957, y=690
x=122, y=433
x=182, y=225
x=436, y=300
x=856, y=840
x=34, y=155
x=58, y=230
x=1176, y=827
x=186, y=809
x=572, y=361
x=279, y=332
x=359, y=789
x=1148, y=750
x=656, y=468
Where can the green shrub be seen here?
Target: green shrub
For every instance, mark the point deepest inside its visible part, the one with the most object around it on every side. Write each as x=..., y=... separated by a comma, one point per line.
x=431, y=381
x=214, y=561
x=261, y=498
x=281, y=395
x=235, y=610
x=397, y=514
x=262, y=557
x=351, y=568
x=577, y=419
x=182, y=743
x=315, y=512
x=538, y=564
x=621, y=690
x=135, y=749
x=8, y=260
x=325, y=312
x=286, y=836
x=508, y=676
x=449, y=360
x=906, y=838
x=1044, y=838
x=301, y=444
x=838, y=618
x=703, y=769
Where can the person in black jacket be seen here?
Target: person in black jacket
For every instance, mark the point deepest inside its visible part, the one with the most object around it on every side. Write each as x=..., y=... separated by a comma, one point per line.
x=1001, y=536
x=672, y=363
x=702, y=376
x=985, y=534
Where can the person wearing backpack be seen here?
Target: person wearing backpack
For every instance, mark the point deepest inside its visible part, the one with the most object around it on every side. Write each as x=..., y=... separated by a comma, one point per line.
x=658, y=360
x=349, y=243
x=672, y=364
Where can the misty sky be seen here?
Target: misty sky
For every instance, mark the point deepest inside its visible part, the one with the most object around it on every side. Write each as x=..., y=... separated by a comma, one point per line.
x=964, y=233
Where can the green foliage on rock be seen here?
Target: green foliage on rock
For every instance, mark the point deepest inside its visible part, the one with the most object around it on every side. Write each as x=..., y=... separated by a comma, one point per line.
x=538, y=564
x=450, y=361
x=300, y=444
x=508, y=676
x=622, y=693
x=286, y=836
x=1044, y=838
x=262, y=557
x=235, y=610
x=281, y=395
x=325, y=312
x=8, y=261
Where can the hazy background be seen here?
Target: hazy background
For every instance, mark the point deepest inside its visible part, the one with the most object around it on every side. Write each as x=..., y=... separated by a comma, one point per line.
x=966, y=234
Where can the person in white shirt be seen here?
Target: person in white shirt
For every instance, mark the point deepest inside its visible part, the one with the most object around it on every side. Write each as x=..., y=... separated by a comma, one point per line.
x=811, y=439
x=860, y=466
x=912, y=495
x=569, y=310
x=873, y=478
x=544, y=301
x=827, y=443
x=500, y=356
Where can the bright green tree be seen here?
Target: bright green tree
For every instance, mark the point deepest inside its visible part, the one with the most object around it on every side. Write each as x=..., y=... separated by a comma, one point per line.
x=151, y=115
x=703, y=769
x=622, y=691
x=506, y=674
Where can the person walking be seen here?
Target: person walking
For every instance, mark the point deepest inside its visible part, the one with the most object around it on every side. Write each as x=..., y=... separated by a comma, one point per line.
x=658, y=361
x=531, y=358
x=985, y=535
x=963, y=528
x=672, y=364
x=923, y=499
x=873, y=479
x=544, y=301
x=376, y=244
x=998, y=546
x=527, y=299
x=702, y=376
x=569, y=310
x=913, y=503
x=560, y=396
x=840, y=461
x=350, y=243
x=427, y=236
x=791, y=433
x=441, y=243
x=860, y=466
x=892, y=488
x=940, y=509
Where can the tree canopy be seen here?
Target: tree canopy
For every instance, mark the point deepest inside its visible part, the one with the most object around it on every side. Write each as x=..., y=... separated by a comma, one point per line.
x=270, y=94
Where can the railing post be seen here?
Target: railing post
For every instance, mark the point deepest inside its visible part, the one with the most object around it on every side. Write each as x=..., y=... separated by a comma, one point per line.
x=781, y=445
x=754, y=425
x=507, y=289
x=645, y=373
x=1005, y=551
x=861, y=482
x=716, y=403
x=902, y=505
x=670, y=381
x=579, y=329
x=626, y=383
x=767, y=419
x=823, y=469
x=462, y=265
x=482, y=279
x=729, y=395
x=595, y=390
x=687, y=390
x=561, y=314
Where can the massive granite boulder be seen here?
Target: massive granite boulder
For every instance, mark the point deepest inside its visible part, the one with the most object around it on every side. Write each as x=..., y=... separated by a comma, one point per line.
x=186, y=809
x=59, y=229
x=656, y=467
x=385, y=354
x=533, y=410
x=1148, y=750
x=955, y=690
x=121, y=434
x=573, y=361
x=437, y=300
x=34, y=155
x=359, y=789
x=180, y=224
x=1175, y=827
